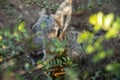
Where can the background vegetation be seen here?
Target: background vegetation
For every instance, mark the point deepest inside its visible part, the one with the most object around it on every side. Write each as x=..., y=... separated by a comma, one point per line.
x=15, y=63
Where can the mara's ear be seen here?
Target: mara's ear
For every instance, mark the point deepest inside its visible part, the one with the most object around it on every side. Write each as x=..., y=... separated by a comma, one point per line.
x=42, y=12
x=57, y=19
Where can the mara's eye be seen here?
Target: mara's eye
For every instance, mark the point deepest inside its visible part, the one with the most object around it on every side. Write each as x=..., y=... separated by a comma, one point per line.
x=34, y=28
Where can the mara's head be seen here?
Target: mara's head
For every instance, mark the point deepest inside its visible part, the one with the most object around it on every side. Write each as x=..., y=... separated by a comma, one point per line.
x=44, y=29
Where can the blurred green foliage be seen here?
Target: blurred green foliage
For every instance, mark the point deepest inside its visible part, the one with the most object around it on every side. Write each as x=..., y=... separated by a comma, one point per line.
x=12, y=43
x=9, y=40
x=94, y=44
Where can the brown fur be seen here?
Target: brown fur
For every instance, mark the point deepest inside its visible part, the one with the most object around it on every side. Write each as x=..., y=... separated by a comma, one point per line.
x=55, y=28
x=64, y=10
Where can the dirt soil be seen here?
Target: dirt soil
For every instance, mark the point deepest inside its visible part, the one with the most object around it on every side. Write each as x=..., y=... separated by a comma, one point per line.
x=12, y=11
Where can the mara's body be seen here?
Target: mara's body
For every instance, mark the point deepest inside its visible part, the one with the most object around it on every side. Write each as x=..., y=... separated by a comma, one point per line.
x=51, y=26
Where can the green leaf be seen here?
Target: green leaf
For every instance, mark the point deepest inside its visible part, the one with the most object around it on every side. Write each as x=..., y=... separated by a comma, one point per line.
x=98, y=43
x=60, y=49
x=93, y=19
x=111, y=33
x=116, y=24
x=90, y=49
x=100, y=18
x=43, y=25
x=71, y=74
x=90, y=4
x=7, y=33
x=64, y=59
x=99, y=56
x=108, y=20
x=114, y=67
x=21, y=26
x=85, y=37
x=1, y=37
